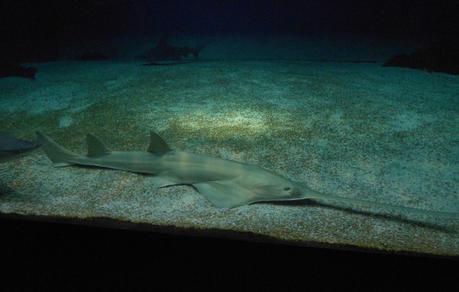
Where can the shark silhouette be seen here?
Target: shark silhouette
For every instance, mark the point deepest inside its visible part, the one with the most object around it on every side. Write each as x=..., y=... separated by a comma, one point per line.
x=12, y=148
x=225, y=183
x=12, y=69
x=164, y=51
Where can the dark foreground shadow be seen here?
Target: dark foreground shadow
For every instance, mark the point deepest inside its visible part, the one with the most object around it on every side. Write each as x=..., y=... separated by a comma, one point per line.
x=42, y=256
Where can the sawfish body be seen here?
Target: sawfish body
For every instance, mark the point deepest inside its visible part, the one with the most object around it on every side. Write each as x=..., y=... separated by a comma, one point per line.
x=225, y=183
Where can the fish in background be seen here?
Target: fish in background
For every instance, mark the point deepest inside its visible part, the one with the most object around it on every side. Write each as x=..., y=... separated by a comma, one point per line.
x=13, y=148
x=441, y=56
x=13, y=69
x=164, y=51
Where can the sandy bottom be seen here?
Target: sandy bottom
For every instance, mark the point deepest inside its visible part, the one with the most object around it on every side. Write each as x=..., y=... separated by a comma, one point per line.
x=361, y=131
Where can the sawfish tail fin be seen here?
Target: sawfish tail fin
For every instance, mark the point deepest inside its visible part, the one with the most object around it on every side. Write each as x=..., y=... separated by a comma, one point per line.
x=55, y=152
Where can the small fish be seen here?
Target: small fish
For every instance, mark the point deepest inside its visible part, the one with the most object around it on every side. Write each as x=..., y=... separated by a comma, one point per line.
x=12, y=148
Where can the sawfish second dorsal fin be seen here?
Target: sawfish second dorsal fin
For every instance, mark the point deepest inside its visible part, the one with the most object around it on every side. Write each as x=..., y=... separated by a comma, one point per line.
x=157, y=144
x=95, y=147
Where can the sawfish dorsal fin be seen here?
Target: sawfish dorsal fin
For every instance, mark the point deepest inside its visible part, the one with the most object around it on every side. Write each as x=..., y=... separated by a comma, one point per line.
x=157, y=144
x=95, y=147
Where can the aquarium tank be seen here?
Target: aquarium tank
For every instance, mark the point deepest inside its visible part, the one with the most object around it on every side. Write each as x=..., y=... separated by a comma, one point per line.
x=327, y=124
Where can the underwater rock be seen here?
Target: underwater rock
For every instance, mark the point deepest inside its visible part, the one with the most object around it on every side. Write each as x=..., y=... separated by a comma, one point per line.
x=442, y=56
x=12, y=69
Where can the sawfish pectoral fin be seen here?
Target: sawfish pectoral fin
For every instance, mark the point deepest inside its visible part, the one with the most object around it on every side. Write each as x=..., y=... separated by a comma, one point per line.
x=62, y=164
x=224, y=194
x=163, y=181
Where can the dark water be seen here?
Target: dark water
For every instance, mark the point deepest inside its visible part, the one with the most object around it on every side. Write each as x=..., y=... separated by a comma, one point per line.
x=33, y=31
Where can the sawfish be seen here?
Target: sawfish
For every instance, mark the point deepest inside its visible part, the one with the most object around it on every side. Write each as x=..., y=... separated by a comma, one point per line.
x=225, y=183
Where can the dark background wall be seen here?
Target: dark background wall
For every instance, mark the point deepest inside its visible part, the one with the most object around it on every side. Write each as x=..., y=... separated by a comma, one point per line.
x=38, y=28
